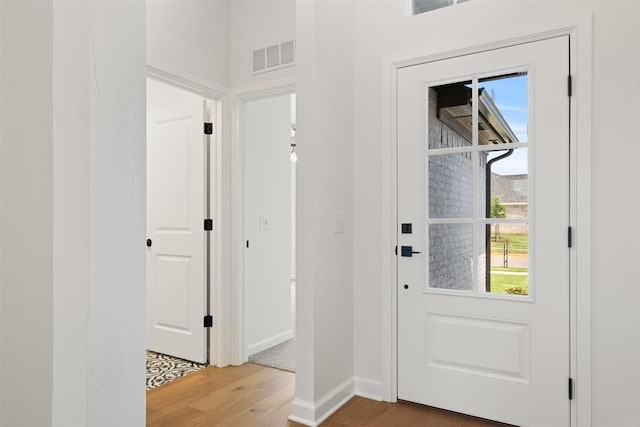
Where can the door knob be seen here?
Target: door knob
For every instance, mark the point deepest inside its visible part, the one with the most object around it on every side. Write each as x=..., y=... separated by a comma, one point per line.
x=407, y=251
x=149, y=242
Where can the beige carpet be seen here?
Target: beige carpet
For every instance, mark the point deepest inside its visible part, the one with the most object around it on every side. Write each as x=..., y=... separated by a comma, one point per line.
x=281, y=356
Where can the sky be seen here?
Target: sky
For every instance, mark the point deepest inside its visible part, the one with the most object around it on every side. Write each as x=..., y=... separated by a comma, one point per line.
x=510, y=95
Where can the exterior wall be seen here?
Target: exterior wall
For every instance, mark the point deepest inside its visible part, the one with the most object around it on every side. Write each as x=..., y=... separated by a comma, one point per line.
x=451, y=259
x=516, y=211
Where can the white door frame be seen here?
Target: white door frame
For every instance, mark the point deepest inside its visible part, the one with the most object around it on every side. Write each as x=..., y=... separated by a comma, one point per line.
x=579, y=30
x=215, y=93
x=235, y=199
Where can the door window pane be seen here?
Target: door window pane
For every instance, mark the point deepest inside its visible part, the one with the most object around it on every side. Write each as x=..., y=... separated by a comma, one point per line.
x=421, y=6
x=450, y=117
x=503, y=184
x=451, y=256
x=503, y=109
x=506, y=270
x=451, y=185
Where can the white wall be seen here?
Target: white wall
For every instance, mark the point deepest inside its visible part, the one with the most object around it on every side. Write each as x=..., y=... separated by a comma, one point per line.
x=324, y=312
x=116, y=215
x=256, y=24
x=71, y=74
x=191, y=37
x=1, y=139
x=381, y=29
x=73, y=214
x=267, y=178
x=27, y=215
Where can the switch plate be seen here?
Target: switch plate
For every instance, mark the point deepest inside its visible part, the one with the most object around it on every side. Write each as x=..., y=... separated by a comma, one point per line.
x=338, y=223
x=265, y=223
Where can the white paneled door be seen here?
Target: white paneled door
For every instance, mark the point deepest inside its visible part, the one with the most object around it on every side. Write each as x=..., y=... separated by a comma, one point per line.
x=483, y=254
x=176, y=287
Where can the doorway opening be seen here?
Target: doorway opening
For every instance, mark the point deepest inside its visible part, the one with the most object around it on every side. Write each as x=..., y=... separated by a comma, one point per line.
x=180, y=244
x=269, y=165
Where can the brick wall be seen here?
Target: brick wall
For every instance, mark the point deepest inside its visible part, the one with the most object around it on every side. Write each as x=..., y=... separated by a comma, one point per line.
x=450, y=183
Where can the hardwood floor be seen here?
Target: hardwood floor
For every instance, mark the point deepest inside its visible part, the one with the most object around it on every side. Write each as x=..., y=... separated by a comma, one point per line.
x=253, y=395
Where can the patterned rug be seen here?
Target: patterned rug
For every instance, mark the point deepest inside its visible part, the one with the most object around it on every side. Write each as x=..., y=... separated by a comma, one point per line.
x=162, y=369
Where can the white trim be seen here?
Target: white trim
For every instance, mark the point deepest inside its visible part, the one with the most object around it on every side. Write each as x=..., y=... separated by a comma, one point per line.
x=233, y=199
x=213, y=92
x=269, y=342
x=368, y=389
x=581, y=112
x=186, y=80
x=579, y=28
x=313, y=414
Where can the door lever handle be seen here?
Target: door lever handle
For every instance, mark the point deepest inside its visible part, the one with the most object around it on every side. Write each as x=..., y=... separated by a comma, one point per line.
x=407, y=251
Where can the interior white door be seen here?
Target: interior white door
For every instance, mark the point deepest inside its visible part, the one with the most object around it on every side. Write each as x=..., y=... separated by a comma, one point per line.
x=483, y=270
x=176, y=287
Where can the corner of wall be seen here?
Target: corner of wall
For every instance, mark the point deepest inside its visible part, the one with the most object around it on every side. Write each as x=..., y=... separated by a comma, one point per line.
x=313, y=414
x=368, y=389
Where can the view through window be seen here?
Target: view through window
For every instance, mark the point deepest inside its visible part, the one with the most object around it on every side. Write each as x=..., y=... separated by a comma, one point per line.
x=488, y=169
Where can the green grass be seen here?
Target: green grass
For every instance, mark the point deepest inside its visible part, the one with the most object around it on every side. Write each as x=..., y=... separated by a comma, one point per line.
x=510, y=269
x=501, y=282
x=518, y=243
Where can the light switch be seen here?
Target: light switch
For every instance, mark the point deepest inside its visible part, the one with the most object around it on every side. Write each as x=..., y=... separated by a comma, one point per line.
x=338, y=223
x=265, y=223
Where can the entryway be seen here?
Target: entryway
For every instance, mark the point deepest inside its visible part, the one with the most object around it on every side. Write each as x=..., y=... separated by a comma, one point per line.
x=474, y=337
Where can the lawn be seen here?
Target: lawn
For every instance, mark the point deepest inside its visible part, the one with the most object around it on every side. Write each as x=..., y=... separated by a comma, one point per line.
x=518, y=243
x=510, y=269
x=501, y=282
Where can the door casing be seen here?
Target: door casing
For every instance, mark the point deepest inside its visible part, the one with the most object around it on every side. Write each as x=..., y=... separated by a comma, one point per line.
x=579, y=30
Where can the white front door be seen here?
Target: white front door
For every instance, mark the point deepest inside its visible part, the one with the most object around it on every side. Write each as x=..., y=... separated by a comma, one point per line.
x=176, y=287
x=483, y=212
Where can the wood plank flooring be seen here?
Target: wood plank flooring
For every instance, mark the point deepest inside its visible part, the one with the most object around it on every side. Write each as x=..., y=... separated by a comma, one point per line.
x=253, y=395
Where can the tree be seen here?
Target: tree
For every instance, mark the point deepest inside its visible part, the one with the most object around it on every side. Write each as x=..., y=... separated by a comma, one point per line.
x=497, y=211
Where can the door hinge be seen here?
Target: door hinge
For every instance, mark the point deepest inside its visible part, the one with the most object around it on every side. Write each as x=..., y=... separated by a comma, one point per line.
x=569, y=85
x=570, y=237
x=208, y=224
x=208, y=321
x=570, y=388
x=208, y=128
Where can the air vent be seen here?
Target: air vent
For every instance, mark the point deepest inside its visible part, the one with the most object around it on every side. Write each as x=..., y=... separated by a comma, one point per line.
x=274, y=57
x=286, y=52
x=259, y=62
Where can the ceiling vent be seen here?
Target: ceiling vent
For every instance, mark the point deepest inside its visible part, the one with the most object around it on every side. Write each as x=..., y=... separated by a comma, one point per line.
x=274, y=57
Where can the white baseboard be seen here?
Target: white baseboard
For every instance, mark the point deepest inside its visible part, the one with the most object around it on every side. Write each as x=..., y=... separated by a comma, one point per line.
x=269, y=342
x=312, y=415
x=368, y=389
